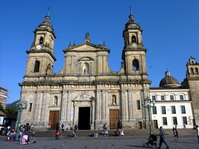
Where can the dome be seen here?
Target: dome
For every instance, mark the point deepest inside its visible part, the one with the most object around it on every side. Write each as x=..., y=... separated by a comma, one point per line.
x=45, y=26
x=131, y=24
x=169, y=81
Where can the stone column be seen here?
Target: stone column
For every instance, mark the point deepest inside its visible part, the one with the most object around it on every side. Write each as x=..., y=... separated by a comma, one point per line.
x=106, y=106
x=126, y=105
x=38, y=106
x=131, y=105
x=98, y=105
x=123, y=105
x=63, y=106
x=66, y=95
x=69, y=114
x=44, y=108
x=103, y=105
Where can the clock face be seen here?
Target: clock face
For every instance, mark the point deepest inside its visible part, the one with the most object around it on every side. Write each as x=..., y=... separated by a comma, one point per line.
x=38, y=47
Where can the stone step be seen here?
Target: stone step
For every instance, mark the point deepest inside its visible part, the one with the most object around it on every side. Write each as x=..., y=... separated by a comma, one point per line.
x=128, y=132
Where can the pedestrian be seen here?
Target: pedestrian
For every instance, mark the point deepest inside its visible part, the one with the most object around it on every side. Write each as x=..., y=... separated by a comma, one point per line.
x=121, y=132
x=57, y=135
x=184, y=125
x=197, y=130
x=32, y=127
x=175, y=132
x=25, y=139
x=48, y=127
x=74, y=134
x=105, y=126
x=62, y=127
x=58, y=127
x=76, y=126
x=162, y=138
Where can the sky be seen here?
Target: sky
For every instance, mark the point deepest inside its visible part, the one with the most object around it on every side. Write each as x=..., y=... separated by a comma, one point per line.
x=170, y=33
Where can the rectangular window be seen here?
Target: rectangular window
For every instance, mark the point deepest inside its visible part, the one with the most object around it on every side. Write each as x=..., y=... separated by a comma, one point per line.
x=154, y=110
x=184, y=119
x=164, y=119
x=175, y=122
x=183, y=109
x=171, y=97
x=30, y=108
x=162, y=97
x=173, y=109
x=138, y=104
x=163, y=109
x=181, y=97
x=153, y=98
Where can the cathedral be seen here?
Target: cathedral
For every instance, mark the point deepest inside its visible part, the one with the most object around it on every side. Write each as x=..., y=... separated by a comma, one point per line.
x=86, y=91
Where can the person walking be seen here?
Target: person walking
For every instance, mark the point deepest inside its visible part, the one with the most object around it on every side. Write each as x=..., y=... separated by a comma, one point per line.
x=197, y=130
x=175, y=132
x=162, y=138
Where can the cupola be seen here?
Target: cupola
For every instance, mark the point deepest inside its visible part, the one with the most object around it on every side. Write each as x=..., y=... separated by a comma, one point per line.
x=169, y=81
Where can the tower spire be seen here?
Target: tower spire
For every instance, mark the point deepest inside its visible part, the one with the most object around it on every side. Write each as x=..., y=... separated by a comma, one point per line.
x=130, y=10
x=47, y=17
x=48, y=14
x=131, y=17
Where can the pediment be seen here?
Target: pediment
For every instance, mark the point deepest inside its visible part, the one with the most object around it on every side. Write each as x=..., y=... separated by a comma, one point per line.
x=85, y=47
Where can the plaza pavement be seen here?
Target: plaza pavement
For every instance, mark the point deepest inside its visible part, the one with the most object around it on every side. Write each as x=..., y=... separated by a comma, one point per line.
x=102, y=142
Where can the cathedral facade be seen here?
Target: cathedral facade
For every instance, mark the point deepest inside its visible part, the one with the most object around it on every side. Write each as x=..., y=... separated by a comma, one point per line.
x=86, y=91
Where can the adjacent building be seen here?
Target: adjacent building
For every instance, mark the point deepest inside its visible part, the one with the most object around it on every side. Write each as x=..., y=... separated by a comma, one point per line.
x=173, y=104
x=3, y=97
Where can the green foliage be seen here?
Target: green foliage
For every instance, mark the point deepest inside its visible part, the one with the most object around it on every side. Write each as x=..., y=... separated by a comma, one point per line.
x=8, y=110
x=2, y=109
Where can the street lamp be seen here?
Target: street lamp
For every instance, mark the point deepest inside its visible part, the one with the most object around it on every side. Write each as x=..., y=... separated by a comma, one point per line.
x=20, y=106
x=148, y=106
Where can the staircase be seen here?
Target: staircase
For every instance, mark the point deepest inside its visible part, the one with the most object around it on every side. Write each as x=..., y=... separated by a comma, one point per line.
x=128, y=132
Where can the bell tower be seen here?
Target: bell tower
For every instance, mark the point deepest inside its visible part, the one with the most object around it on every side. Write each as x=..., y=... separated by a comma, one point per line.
x=41, y=54
x=192, y=78
x=134, y=53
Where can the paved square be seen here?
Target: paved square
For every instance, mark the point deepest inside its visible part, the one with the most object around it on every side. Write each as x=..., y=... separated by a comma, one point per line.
x=185, y=142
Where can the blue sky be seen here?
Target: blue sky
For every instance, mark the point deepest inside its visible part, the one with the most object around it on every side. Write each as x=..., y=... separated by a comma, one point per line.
x=170, y=33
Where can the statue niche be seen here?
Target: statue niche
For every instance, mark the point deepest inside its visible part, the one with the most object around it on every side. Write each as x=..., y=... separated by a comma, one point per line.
x=85, y=68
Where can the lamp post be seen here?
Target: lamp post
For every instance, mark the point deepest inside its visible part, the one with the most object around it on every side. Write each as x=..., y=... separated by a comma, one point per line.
x=148, y=106
x=20, y=106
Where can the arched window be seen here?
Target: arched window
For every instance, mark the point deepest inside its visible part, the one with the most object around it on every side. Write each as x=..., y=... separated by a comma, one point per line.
x=192, y=72
x=113, y=102
x=41, y=40
x=37, y=65
x=85, y=68
x=197, y=70
x=135, y=64
x=133, y=39
x=55, y=101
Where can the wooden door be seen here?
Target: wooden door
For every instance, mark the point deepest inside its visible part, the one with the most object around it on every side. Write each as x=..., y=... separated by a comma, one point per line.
x=53, y=119
x=155, y=124
x=140, y=125
x=114, y=119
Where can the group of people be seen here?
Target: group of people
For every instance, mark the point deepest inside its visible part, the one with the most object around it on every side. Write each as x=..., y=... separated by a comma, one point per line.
x=175, y=134
x=60, y=128
x=23, y=136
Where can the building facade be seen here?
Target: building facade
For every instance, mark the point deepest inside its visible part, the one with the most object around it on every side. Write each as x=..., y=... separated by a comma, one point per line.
x=173, y=104
x=3, y=97
x=88, y=93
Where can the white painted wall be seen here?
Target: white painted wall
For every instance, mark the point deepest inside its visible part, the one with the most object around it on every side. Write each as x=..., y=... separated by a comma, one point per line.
x=168, y=103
